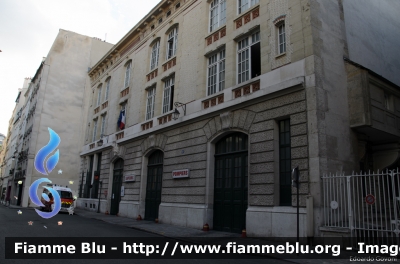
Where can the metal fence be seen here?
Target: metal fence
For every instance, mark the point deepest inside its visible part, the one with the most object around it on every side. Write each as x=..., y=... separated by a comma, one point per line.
x=367, y=204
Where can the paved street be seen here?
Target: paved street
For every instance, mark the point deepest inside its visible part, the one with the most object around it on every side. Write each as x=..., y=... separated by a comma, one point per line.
x=13, y=224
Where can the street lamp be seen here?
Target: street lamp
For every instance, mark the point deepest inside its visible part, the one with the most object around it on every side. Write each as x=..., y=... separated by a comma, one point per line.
x=176, y=112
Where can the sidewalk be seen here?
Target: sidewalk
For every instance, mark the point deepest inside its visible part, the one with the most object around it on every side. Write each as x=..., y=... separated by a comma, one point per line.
x=12, y=206
x=190, y=234
x=152, y=227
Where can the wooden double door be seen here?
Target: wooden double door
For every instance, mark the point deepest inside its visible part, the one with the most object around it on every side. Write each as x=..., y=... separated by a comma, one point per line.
x=230, y=183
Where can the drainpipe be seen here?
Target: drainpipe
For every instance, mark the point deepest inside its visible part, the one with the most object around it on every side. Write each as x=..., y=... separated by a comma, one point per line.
x=310, y=216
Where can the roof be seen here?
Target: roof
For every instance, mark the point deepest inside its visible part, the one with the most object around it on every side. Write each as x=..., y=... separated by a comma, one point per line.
x=370, y=71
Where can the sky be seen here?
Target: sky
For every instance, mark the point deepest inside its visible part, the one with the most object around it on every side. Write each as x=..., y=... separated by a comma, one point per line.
x=28, y=29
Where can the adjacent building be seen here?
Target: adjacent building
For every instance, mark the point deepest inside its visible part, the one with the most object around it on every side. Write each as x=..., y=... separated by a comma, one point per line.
x=13, y=146
x=53, y=100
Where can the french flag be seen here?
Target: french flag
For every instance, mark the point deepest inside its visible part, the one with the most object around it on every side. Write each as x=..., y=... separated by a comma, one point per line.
x=121, y=120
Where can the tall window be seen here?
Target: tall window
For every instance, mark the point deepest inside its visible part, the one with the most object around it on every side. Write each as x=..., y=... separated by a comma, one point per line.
x=155, y=52
x=127, y=74
x=168, y=95
x=249, y=58
x=151, y=95
x=281, y=38
x=107, y=89
x=89, y=178
x=217, y=14
x=94, y=130
x=216, y=73
x=103, y=124
x=285, y=161
x=99, y=95
x=243, y=5
x=96, y=179
x=172, y=42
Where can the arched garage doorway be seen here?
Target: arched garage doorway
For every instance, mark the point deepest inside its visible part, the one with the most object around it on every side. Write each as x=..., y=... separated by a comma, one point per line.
x=230, y=183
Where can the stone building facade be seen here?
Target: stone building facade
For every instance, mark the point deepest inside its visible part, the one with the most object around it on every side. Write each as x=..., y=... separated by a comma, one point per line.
x=12, y=146
x=199, y=114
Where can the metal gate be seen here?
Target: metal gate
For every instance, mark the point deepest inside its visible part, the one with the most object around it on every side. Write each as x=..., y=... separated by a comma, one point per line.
x=367, y=204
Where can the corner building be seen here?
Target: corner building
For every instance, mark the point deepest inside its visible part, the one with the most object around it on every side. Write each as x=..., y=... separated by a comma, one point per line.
x=258, y=93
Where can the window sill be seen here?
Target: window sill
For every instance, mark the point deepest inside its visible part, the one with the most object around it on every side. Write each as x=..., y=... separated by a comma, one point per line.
x=125, y=92
x=216, y=35
x=250, y=81
x=254, y=10
x=169, y=63
x=123, y=100
x=215, y=31
x=151, y=75
x=280, y=55
x=170, y=59
x=156, y=68
x=104, y=105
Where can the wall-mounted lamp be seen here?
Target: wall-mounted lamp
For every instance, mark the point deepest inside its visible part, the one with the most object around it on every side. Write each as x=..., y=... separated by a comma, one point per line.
x=100, y=142
x=20, y=182
x=176, y=112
